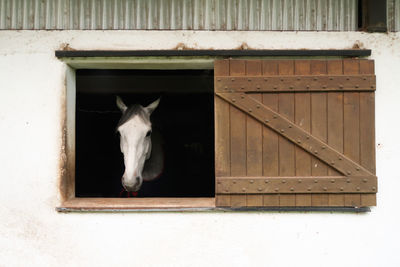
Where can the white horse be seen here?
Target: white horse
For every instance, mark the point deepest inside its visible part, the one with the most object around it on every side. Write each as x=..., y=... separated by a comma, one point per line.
x=141, y=164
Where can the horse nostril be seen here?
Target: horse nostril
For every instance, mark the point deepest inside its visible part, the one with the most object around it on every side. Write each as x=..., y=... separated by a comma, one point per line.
x=138, y=179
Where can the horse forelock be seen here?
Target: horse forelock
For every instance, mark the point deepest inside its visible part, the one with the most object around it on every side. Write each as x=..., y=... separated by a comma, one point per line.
x=132, y=111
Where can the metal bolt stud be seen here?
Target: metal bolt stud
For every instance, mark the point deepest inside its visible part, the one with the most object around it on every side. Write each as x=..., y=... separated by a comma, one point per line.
x=242, y=96
x=333, y=181
x=226, y=87
x=340, y=158
x=283, y=181
x=233, y=79
x=219, y=79
x=348, y=172
x=365, y=180
x=258, y=106
x=275, y=116
x=309, y=189
x=250, y=110
x=259, y=189
x=277, y=189
x=233, y=100
x=316, y=181
x=265, y=79
x=291, y=189
x=251, y=181
x=266, y=120
x=325, y=189
x=373, y=188
x=341, y=189
x=234, y=181
x=299, y=181
x=243, y=189
x=266, y=181
x=282, y=131
x=249, y=79
x=348, y=181
x=358, y=188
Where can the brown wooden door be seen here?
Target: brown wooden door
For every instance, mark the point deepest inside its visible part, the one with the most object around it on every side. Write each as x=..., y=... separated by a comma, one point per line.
x=295, y=133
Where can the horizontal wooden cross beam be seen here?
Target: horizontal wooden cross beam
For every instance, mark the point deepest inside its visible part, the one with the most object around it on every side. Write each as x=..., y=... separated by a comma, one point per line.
x=295, y=83
x=309, y=184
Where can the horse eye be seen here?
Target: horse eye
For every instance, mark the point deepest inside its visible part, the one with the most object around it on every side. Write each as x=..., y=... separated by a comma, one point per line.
x=148, y=134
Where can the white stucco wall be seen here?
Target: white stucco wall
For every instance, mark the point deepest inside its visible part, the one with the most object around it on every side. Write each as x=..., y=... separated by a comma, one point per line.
x=32, y=233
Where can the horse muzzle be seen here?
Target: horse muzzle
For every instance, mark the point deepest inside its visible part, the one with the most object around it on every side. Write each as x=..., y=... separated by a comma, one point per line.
x=132, y=186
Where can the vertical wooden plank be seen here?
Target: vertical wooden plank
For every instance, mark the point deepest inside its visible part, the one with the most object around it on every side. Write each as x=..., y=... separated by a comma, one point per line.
x=238, y=135
x=352, y=200
x=222, y=134
x=368, y=200
x=286, y=148
x=319, y=128
x=302, y=119
x=254, y=138
x=367, y=131
x=351, y=126
x=335, y=125
x=270, y=138
x=367, y=121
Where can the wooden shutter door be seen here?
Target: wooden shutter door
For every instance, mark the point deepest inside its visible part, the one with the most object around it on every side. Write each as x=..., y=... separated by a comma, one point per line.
x=295, y=133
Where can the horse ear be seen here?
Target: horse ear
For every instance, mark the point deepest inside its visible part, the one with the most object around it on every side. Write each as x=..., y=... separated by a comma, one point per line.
x=150, y=108
x=121, y=105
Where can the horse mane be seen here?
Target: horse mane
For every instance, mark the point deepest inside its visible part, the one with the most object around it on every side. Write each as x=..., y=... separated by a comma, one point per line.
x=132, y=111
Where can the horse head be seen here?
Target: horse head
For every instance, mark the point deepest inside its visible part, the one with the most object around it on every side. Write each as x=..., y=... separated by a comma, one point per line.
x=135, y=131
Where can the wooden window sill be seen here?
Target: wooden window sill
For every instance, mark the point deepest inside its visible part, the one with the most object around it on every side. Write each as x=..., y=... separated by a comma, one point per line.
x=179, y=204
x=132, y=204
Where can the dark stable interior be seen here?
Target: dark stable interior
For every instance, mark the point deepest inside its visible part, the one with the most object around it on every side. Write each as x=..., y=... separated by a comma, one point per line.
x=184, y=117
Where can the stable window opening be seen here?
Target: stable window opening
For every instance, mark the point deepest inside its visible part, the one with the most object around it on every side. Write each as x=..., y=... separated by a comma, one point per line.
x=182, y=131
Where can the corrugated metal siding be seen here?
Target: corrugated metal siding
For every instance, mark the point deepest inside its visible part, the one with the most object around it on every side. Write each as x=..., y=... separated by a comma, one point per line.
x=286, y=15
x=393, y=15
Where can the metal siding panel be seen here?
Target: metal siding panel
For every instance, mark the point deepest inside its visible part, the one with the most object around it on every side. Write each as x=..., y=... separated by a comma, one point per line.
x=220, y=15
x=288, y=15
x=299, y=15
x=393, y=15
x=397, y=15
